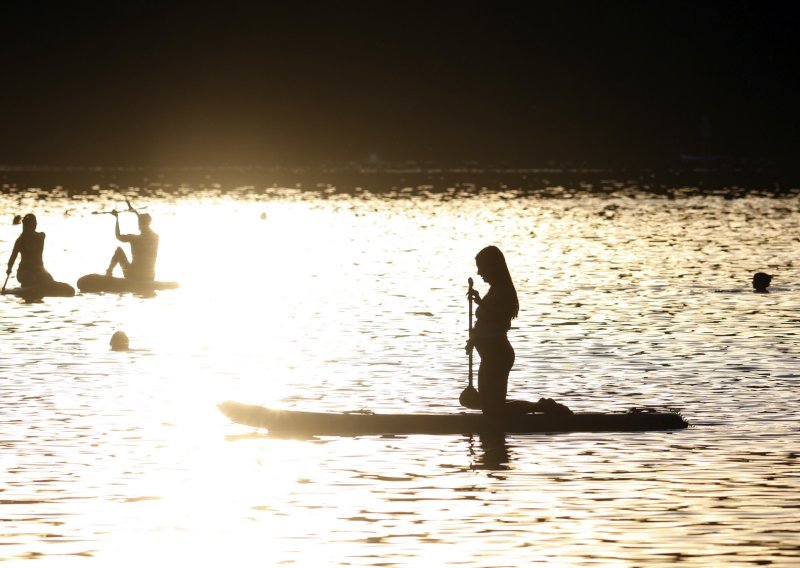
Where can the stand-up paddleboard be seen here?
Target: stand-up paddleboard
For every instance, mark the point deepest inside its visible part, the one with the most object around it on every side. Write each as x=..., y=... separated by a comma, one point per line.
x=98, y=283
x=51, y=289
x=295, y=423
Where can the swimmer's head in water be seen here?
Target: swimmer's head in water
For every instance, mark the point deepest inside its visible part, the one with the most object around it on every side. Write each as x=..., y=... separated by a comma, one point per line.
x=119, y=341
x=761, y=281
x=29, y=222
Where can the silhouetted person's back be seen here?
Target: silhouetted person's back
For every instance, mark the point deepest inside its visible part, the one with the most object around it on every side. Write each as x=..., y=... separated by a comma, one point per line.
x=144, y=251
x=29, y=246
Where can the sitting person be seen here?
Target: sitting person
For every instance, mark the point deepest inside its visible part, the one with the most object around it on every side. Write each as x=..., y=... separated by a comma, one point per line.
x=29, y=246
x=144, y=251
x=761, y=281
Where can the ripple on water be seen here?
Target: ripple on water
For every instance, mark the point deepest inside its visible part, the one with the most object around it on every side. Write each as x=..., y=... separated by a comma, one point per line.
x=337, y=303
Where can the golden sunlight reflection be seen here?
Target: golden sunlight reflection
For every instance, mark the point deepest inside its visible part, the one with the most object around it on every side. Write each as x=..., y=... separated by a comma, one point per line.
x=342, y=303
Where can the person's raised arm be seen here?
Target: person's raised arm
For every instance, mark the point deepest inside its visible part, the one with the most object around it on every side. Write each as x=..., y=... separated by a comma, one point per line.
x=118, y=233
x=116, y=225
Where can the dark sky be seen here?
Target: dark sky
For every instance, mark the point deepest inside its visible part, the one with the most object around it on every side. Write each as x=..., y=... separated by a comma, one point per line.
x=166, y=83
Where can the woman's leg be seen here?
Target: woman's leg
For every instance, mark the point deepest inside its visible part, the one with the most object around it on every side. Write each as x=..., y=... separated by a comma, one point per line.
x=118, y=258
x=497, y=358
x=25, y=278
x=33, y=276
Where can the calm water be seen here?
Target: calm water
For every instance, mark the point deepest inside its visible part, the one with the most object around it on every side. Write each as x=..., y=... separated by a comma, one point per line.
x=345, y=303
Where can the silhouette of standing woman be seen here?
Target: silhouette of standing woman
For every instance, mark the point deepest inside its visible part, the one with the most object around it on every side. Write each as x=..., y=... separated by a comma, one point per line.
x=29, y=246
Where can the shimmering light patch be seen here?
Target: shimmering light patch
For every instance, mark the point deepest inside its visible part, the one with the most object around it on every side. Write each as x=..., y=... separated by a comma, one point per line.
x=344, y=303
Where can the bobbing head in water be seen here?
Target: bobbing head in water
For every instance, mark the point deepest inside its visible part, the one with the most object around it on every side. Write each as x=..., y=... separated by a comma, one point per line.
x=119, y=341
x=761, y=281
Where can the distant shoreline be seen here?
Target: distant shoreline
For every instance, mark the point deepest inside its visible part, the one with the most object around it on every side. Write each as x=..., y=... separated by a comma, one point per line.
x=727, y=179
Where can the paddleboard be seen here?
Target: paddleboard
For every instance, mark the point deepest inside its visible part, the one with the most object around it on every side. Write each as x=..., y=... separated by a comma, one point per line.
x=51, y=289
x=297, y=423
x=98, y=283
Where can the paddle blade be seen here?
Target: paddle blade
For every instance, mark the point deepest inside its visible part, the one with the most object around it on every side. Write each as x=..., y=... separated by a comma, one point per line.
x=470, y=398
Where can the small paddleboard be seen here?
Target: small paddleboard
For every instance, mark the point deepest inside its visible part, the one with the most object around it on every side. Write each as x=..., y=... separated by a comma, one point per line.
x=98, y=283
x=51, y=289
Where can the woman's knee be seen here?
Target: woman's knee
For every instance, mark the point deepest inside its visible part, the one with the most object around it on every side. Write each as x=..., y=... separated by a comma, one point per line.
x=120, y=257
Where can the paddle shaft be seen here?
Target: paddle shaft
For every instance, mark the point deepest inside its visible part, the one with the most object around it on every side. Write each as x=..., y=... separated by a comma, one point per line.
x=5, y=283
x=470, y=397
x=469, y=295
x=131, y=209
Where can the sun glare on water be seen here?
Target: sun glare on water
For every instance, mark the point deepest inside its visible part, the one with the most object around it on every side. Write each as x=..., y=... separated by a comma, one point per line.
x=299, y=301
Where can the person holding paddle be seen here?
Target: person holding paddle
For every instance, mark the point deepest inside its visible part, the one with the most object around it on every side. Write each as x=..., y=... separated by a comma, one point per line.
x=144, y=249
x=489, y=336
x=29, y=246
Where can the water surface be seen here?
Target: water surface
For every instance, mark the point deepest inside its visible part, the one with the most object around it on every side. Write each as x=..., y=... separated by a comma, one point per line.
x=342, y=302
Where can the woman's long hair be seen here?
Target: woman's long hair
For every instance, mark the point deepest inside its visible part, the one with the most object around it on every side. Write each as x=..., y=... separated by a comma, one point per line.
x=492, y=259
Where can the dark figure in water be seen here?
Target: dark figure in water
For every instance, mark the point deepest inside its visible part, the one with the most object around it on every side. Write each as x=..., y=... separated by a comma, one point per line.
x=119, y=341
x=761, y=282
x=489, y=336
x=144, y=251
x=29, y=246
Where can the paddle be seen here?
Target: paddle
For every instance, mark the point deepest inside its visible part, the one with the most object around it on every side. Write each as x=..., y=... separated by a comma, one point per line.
x=6, y=282
x=469, y=396
x=131, y=209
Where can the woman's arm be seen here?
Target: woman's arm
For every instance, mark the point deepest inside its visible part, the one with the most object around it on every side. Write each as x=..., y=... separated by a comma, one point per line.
x=13, y=258
x=118, y=233
x=475, y=296
x=116, y=225
x=495, y=307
